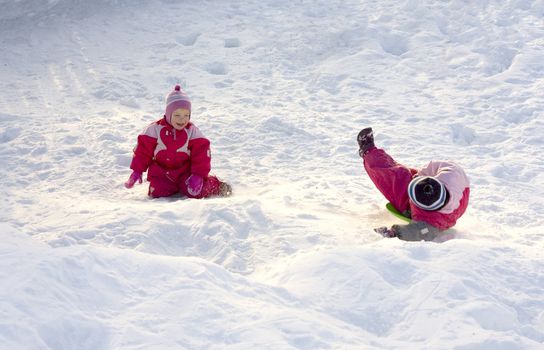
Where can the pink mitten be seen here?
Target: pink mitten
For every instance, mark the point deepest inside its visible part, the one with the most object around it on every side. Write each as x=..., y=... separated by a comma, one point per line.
x=135, y=176
x=194, y=184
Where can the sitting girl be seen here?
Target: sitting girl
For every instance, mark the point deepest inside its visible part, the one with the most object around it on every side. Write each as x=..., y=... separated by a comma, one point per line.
x=176, y=155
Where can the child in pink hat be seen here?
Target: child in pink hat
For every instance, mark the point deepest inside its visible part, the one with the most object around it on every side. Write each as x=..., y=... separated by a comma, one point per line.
x=176, y=155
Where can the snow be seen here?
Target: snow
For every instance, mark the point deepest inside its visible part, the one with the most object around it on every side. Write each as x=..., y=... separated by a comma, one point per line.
x=281, y=88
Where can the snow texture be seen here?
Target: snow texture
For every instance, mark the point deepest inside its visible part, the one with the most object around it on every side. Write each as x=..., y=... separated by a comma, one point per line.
x=281, y=88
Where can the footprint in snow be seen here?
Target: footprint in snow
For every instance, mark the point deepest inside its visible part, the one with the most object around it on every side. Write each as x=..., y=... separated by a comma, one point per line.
x=462, y=135
x=9, y=134
x=394, y=44
x=216, y=68
x=224, y=84
x=188, y=40
x=232, y=42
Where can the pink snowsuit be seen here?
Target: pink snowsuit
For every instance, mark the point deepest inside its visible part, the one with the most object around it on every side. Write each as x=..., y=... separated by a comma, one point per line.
x=170, y=156
x=392, y=179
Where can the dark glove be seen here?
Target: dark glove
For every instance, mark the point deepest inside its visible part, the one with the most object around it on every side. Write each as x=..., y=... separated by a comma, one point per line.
x=386, y=232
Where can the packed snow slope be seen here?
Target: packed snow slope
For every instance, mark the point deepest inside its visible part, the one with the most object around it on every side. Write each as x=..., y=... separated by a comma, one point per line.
x=281, y=88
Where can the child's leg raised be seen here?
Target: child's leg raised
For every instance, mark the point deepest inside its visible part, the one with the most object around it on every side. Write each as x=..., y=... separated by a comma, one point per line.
x=390, y=177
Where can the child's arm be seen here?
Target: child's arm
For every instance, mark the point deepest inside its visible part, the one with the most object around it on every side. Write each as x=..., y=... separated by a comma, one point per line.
x=144, y=150
x=416, y=231
x=200, y=153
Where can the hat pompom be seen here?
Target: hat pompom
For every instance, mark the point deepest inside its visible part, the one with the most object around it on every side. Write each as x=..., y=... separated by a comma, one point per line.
x=427, y=193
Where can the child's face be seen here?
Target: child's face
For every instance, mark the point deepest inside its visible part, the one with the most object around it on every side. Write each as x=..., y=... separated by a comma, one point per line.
x=180, y=118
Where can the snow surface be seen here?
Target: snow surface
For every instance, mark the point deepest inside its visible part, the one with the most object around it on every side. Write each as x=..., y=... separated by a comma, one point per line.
x=281, y=88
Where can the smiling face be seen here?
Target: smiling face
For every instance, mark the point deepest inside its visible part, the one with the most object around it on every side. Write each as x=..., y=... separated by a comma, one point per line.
x=180, y=118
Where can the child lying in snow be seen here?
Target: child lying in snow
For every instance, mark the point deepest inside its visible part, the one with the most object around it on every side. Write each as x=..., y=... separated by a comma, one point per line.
x=434, y=197
x=176, y=155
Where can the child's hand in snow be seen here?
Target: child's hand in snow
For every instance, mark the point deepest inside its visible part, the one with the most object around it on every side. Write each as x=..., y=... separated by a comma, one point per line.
x=194, y=184
x=135, y=176
x=386, y=232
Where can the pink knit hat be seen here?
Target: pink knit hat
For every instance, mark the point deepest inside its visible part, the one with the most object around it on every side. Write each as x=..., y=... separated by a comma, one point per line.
x=176, y=99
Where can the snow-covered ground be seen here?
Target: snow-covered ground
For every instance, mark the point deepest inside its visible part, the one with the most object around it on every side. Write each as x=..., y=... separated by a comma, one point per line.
x=281, y=88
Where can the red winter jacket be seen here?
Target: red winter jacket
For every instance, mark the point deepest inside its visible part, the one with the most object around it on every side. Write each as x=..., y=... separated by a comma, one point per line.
x=457, y=184
x=169, y=153
x=392, y=179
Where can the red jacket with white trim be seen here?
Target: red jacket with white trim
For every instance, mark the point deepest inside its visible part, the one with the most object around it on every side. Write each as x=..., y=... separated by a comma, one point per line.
x=166, y=152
